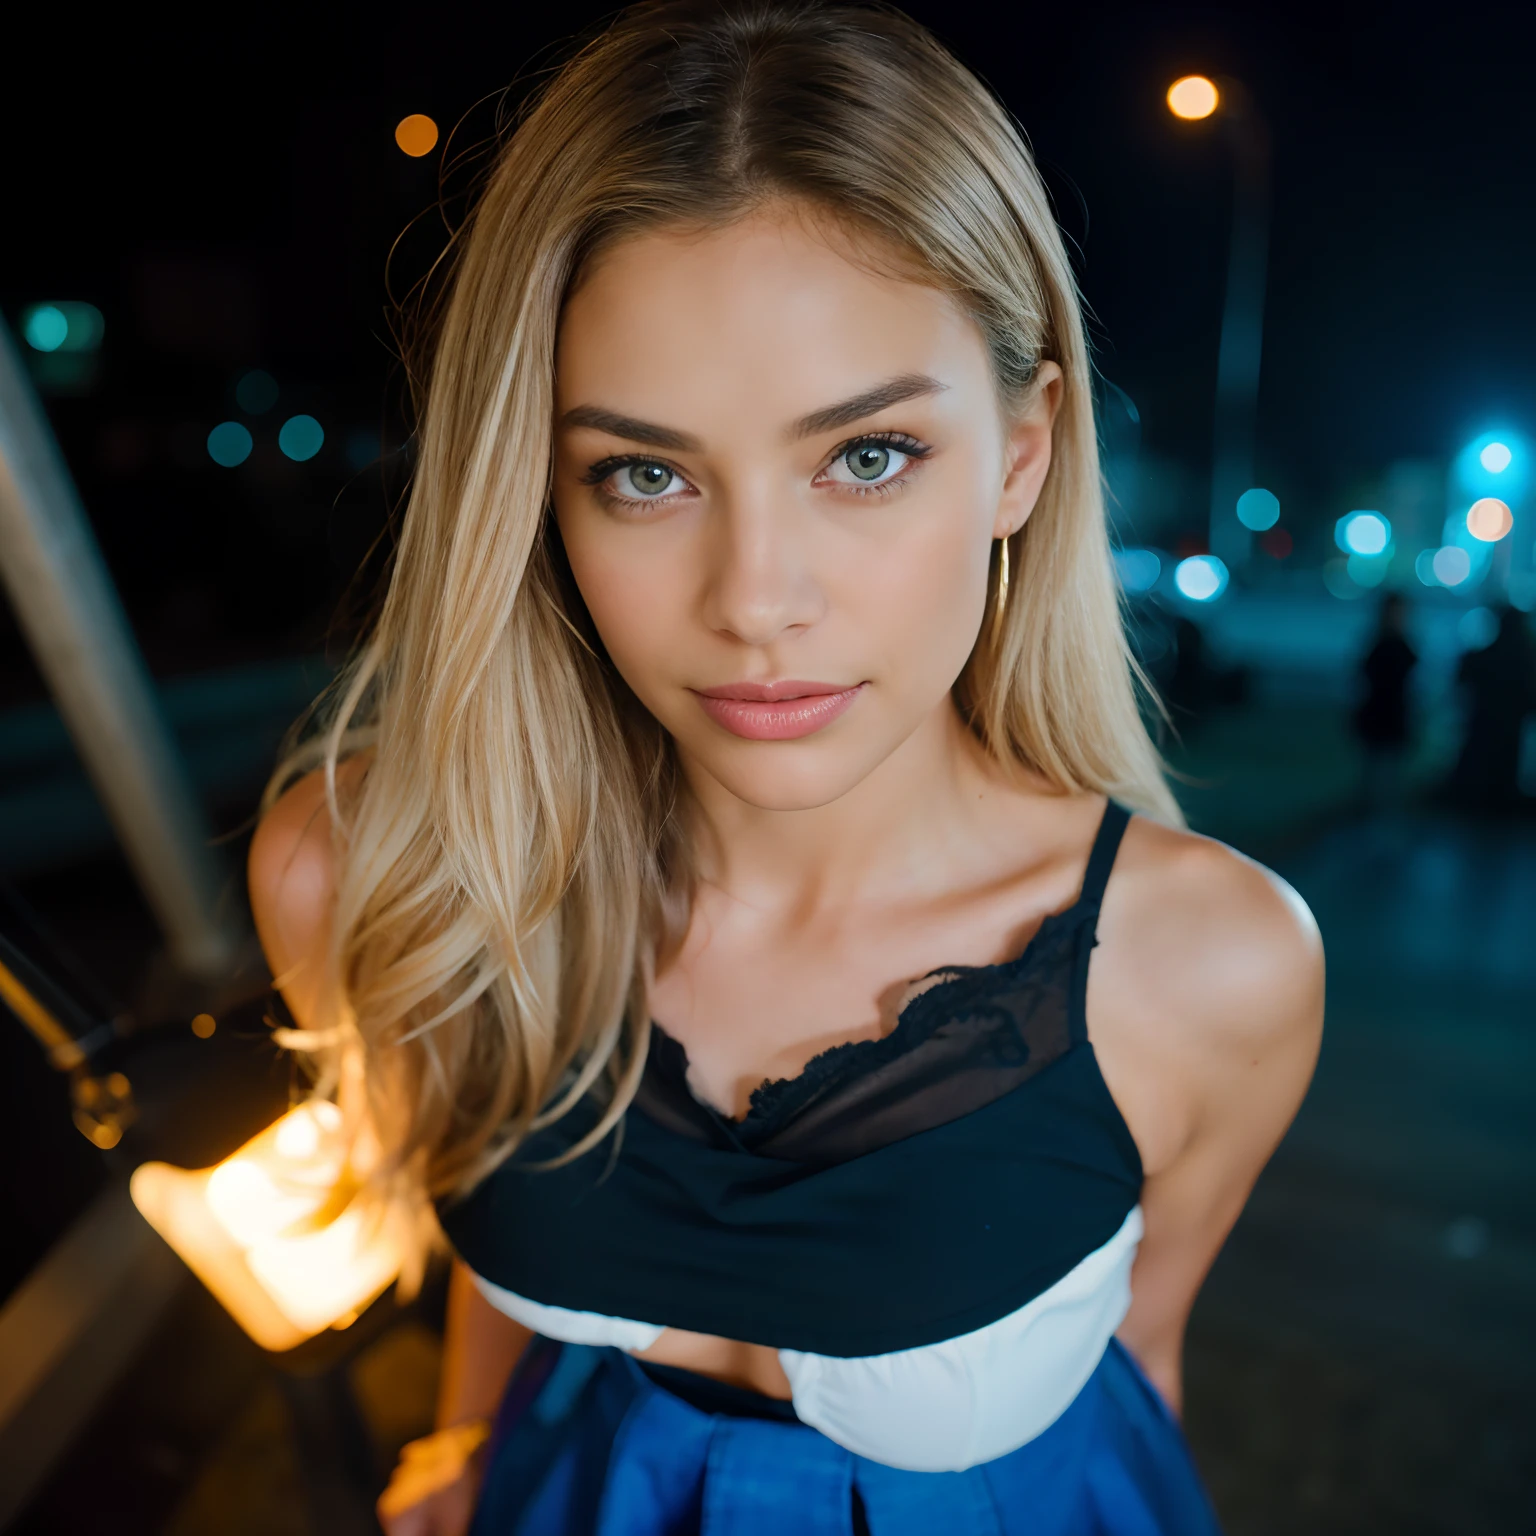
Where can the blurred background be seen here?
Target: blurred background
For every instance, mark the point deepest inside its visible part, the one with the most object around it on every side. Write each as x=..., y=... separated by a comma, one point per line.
x=1305, y=234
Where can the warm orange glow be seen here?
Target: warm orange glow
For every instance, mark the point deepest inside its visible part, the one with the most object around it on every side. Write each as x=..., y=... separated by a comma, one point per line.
x=270, y=1231
x=204, y=1025
x=416, y=135
x=1489, y=520
x=1193, y=97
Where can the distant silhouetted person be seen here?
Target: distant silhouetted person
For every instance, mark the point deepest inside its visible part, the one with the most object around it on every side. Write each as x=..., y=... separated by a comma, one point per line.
x=1500, y=684
x=1381, y=720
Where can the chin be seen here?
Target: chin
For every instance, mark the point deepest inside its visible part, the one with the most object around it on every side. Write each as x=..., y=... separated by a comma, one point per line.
x=774, y=776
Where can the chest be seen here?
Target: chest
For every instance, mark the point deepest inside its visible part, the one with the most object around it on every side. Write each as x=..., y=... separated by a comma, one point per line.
x=753, y=1001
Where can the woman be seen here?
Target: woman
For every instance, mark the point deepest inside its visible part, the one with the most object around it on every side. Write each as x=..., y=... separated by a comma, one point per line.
x=752, y=665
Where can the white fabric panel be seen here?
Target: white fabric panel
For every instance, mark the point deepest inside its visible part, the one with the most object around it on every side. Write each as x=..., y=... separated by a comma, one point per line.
x=944, y=1407
x=940, y=1407
x=570, y=1327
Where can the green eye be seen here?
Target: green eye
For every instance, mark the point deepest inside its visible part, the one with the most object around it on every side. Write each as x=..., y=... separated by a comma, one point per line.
x=868, y=461
x=648, y=479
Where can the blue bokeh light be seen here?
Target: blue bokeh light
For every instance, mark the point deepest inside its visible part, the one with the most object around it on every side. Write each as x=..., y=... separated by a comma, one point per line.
x=1138, y=568
x=1200, y=578
x=1495, y=463
x=1258, y=509
x=1451, y=565
x=229, y=444
x=1362, y=533
x=256, y=393
x=301, y=438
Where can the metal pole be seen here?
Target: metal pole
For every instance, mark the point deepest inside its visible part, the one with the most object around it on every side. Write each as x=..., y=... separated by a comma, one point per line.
x=1242, y=327
x=69, y=611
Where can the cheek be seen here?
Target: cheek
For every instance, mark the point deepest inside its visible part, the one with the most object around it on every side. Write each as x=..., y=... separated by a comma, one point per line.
x=635, y=591
x=920, y=596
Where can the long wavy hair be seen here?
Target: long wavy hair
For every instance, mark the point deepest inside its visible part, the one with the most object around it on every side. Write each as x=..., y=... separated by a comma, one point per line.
x=510, y=863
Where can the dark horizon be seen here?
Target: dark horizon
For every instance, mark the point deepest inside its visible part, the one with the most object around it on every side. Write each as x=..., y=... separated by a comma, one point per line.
x=230, y=200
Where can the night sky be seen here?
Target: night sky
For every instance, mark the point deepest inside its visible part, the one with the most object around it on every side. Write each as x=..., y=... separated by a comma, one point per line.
x=227, y=191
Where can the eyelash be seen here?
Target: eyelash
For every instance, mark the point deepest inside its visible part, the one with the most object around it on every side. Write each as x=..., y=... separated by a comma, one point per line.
x=914, y=450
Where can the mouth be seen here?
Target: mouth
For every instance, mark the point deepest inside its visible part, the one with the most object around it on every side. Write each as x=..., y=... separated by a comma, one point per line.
x=776, y=711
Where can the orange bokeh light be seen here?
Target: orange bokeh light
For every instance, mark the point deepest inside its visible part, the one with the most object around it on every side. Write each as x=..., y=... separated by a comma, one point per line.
x=416, y=134
x=1489, y=520
x=1193, y=97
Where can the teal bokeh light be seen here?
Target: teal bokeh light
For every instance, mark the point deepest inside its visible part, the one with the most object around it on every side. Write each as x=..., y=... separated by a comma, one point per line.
x=1495, y=463
x=229, y=444
x=1138, y=568
x=1451, y=565
x=45, y=327
x=301, y=438
x=63, y=326
x=1258, y=509
x=1362, y=533
x=1367, y=570
x=1201, y=578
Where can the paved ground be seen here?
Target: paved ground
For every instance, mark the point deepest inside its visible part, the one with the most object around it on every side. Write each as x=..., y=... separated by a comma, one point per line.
x=1362, y=1356
x=1361, y=1359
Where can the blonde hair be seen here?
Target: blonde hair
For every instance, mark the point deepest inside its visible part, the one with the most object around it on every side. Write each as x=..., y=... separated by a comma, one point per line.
x=510, y=862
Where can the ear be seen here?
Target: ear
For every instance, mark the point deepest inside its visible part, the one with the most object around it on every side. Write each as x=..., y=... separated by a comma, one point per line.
x=1028, y=451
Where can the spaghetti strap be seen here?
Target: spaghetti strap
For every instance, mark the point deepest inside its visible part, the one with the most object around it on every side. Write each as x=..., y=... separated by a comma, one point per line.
x=1101, y=860
x=1102, y=857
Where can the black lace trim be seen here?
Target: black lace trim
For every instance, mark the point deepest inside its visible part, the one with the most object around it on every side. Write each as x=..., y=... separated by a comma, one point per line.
x=963, y=989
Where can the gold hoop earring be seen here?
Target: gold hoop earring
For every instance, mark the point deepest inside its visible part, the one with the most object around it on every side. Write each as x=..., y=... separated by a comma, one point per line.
x=1002, y=588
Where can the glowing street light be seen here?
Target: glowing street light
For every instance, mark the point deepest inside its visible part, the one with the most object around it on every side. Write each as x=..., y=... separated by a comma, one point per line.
x=273, y=1230
x=416, y=135
x=1194, y=98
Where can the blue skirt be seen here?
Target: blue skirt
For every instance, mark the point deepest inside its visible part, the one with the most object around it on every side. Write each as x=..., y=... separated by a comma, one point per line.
x=586, y=1444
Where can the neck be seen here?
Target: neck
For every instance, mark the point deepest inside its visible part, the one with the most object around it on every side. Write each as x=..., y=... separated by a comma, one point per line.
x=897, y=830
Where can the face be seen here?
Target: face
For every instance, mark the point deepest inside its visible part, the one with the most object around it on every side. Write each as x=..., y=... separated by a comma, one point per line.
x=778, y=478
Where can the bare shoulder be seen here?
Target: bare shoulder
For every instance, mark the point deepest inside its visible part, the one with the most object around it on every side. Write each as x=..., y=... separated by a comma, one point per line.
x=1213, y=937
x=1206, y=991
x=291, y=875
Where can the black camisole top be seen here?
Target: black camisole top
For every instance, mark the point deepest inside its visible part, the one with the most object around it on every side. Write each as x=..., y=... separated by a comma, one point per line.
x=899, y=1192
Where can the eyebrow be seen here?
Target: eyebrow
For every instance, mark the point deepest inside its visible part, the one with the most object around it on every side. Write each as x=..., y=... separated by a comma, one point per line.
x=909, y=386
x=629, y=427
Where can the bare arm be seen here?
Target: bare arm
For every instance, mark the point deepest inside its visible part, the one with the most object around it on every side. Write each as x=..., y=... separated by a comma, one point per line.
x=481, y=1347
x=1206, y=1007
x=293, y=888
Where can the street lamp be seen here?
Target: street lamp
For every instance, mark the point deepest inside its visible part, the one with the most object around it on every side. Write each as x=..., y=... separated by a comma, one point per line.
x=273, y=1230
x=1194, y=98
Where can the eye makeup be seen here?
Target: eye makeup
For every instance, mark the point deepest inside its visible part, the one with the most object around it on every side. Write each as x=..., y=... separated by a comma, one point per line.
x=606, y=470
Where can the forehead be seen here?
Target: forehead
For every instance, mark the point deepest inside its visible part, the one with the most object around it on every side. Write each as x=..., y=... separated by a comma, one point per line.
x=771, y=315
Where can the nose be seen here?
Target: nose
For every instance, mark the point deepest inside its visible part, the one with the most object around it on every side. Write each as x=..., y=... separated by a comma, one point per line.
x=761, y=584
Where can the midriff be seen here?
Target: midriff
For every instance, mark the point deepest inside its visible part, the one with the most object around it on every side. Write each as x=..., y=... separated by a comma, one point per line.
x=754, y=1366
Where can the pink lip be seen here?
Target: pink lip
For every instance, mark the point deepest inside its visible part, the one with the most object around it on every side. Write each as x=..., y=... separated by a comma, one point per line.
x=776, y=711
